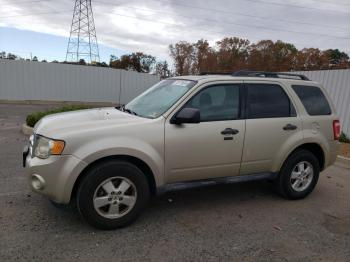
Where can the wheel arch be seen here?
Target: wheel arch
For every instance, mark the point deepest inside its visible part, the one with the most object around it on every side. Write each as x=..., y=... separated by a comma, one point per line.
x=134, y=160
x=315, y=149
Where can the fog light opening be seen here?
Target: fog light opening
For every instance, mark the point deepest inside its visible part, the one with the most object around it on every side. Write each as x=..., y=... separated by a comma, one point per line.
x=38, y=183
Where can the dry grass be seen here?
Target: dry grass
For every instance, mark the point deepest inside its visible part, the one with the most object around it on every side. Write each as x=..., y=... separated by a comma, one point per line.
x=344, y=149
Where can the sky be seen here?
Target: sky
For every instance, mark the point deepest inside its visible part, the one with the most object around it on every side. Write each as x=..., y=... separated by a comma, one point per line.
x=41, y=27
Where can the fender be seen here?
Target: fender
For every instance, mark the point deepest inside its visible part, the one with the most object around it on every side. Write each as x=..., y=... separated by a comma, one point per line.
x=126, y=146
x=284, y=154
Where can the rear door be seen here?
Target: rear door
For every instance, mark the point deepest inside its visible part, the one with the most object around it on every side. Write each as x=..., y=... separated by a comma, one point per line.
x=272, y=125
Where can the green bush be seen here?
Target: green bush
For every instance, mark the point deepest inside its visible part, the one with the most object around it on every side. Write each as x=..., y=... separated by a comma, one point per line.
x=344, y=138
x=33, y=118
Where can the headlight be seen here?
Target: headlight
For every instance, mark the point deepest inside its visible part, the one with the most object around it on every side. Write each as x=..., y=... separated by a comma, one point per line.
x=43, y=147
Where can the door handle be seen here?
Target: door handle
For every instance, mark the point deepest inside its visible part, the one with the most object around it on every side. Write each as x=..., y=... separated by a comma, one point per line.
x=289, y=127
x=229, y=131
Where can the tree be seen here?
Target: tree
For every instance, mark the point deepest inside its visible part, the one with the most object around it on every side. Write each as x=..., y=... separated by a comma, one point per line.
x=103, y=64
x=183, y=55
x=11, y=56
x=267, y=55
x=138, y=61
x=312, y=59
x=35, y=59
x=162, y=69
x=111, y=59
x=122, y=63
x=205, y=57
x=142, y=62
x=81, y=62
x=2, y=54
x=232, y=53
x=337, y=57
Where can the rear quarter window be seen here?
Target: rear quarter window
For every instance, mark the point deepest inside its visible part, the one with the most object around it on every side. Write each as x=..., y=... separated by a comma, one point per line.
x=313, y=100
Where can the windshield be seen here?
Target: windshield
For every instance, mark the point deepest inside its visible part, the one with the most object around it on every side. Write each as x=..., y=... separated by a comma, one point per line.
x=159, y=98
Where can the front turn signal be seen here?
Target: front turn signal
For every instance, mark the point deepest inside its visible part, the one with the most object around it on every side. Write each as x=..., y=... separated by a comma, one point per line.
x=56, y=147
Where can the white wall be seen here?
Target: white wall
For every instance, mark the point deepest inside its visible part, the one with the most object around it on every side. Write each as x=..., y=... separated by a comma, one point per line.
x=26, y=80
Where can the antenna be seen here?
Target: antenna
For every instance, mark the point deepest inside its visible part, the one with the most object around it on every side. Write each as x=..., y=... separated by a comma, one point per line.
x=82, y=40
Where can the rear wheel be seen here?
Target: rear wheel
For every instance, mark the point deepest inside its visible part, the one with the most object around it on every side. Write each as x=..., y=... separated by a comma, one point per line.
x=299, y=175
x=112, y=194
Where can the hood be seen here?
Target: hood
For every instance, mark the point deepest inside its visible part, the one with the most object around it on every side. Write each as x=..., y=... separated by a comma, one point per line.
x=78, y=121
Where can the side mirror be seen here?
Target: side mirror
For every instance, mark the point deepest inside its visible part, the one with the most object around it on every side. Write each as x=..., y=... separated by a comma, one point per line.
x=187, y=116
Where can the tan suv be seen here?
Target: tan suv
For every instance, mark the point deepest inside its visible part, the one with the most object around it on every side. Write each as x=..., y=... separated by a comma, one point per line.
x=247, y=125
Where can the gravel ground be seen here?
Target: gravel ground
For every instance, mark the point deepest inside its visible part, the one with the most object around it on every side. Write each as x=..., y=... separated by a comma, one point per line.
x=230, y=222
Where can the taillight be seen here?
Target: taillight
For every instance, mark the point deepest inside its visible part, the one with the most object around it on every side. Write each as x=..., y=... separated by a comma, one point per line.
x=336, y=129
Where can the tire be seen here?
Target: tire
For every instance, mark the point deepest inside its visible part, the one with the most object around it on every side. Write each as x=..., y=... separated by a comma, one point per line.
x=292, y=183
x=119, y=187
x=61, y=206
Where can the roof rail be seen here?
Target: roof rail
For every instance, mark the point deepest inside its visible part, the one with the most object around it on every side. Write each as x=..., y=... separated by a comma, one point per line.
x=270, y=74
x=216, y=73
x=260, y=74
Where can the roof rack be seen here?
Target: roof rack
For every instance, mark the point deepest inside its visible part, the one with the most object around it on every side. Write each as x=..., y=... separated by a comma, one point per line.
x=260, y=74
x=216, y=73
x=270, y=74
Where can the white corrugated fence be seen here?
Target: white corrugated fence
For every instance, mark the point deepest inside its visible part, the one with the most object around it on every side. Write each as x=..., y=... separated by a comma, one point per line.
x=26, y=80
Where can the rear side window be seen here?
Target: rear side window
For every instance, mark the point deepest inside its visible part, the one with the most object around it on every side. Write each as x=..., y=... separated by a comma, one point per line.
x=313, y=100
x=267, y=101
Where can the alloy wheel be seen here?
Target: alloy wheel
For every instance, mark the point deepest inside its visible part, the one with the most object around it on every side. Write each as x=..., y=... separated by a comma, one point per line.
x=115, y=197
x=302, y=176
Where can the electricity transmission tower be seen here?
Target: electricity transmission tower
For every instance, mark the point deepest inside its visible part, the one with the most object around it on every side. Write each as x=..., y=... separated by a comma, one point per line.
x=83, y=41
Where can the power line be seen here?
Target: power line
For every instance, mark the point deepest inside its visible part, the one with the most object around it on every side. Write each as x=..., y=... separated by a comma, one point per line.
x=237, y=24
x=42, y=13
x=336, y=3
x=32, y=1
x=269, y=3
x=237, y=13
x=211, y=10
x=216, y=21
x=260, y=1
x=180, y=30
x=294, y=6
x=152, y=20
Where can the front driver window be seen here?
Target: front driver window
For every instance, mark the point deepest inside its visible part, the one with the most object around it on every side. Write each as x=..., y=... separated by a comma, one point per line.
x=217, y=103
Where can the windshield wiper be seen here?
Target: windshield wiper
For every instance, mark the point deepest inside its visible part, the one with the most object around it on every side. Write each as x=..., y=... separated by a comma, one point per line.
x=124, y=109
x=129, y=111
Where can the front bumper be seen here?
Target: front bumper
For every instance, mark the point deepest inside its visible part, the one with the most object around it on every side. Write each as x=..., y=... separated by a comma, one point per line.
x=54, y=176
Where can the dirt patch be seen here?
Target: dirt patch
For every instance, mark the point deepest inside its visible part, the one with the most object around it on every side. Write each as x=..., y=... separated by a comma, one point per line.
x=337, y=225
x=344, y=149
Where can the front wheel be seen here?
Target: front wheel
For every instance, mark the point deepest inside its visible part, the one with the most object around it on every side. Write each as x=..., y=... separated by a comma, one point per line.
x=299, y=175
x=112, y=194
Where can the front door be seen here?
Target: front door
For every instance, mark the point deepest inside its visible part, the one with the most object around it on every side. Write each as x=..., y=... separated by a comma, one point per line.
x=213, y=147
